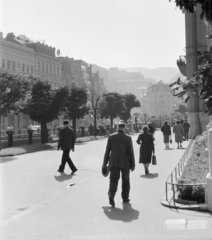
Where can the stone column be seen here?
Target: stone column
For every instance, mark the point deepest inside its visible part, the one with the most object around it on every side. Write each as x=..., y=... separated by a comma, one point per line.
x=209, y=175
x=195, y=41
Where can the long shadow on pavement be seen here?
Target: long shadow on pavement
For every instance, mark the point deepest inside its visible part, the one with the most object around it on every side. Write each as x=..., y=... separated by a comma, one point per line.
x=7, y=159
x=63, y=177
x=127, y=214
x=150, y=175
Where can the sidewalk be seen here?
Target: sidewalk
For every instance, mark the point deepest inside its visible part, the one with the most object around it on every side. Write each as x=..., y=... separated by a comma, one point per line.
x=13, y=151
x=40, y=204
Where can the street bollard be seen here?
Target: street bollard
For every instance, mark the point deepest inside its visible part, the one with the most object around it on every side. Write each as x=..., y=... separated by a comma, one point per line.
x=10, y=138
x=29, y=131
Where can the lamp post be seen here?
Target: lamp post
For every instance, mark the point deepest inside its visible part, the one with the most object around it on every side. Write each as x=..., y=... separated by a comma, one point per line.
x=136, y=123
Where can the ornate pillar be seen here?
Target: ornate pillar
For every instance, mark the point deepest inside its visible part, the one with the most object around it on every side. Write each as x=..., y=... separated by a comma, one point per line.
x=195, y=41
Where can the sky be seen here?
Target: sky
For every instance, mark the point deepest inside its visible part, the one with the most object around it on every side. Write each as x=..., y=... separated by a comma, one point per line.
x=108, y=33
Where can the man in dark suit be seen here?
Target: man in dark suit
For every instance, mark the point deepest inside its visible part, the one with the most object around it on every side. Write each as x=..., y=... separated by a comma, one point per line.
x=66, y=143
x=120, y=156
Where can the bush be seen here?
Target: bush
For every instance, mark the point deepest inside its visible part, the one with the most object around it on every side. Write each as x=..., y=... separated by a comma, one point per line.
x=195, y=171
x=193, y=193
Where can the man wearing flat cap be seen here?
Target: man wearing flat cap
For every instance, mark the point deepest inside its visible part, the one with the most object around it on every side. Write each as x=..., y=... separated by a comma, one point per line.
x=120, y=156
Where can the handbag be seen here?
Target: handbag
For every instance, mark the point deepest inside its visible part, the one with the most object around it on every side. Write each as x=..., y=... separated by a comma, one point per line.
x=154, y=161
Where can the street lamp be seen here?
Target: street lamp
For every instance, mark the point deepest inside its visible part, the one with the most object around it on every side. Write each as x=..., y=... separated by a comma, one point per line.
x=136, y=124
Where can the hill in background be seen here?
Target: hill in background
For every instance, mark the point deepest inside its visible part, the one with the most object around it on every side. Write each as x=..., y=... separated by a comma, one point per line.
x=166, y=74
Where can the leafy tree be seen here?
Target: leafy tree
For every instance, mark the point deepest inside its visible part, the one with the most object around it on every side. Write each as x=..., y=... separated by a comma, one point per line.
x=112, y=105
x=76, y=104
x=14, y=90
x=191, y=5
x=46, y=104
x=130, y=102
x=95, y=107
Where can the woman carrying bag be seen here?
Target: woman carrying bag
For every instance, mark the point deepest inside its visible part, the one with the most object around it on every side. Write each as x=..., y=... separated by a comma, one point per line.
x=147, y=148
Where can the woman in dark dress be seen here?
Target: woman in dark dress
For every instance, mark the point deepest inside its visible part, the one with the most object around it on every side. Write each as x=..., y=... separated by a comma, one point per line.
x=146, y=141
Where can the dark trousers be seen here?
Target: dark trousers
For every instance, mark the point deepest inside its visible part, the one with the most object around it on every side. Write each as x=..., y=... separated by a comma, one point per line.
x=186, y=135
x=114, y=178
x=66, y=159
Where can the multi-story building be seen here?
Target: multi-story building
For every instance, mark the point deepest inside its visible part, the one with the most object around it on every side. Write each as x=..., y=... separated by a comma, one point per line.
x=159, y=100
x=47, y=65
x=79, y=72
x=21, y=55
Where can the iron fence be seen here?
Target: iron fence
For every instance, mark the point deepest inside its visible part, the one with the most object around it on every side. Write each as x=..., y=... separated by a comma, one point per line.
x=171, y=182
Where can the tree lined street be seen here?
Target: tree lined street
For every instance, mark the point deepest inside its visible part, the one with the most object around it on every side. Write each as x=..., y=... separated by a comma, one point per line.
x=39, y=203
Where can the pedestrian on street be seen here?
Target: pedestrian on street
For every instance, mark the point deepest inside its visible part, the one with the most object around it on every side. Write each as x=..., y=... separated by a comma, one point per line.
x=178, y=131
x=151, y=129
x=66, y=143
x=166, y=130
x=120, y=156
x=186, y=127
x=147, y=147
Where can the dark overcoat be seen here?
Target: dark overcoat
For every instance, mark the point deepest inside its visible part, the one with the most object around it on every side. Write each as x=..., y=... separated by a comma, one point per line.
x=119, y=151
x=66, y=139
x=147, y=146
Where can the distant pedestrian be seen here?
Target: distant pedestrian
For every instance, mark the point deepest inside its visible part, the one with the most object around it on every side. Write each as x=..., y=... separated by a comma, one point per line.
x=66, y=143
x=181, y=121
x=82, y=127
x=151, y=129
x=120, y=156
x=178, y=131
x=147, y=147
x=166, y=130
x=186, y=127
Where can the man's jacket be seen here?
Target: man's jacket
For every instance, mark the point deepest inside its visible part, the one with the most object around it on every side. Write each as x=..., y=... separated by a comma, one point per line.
x=119, y=151
x=66, y=139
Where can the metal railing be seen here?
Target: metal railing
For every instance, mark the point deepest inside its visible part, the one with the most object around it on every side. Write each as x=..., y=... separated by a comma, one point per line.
x=171, y=182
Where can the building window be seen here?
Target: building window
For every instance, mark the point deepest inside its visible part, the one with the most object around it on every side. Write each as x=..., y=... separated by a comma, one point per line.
x=43, y=67
x=27, y=68
x=3, y=63
x=32, y=70
x=54, y=70
x=23, y=67
x=8, y=64
x=50, y=68
x=58, y=71
x=47, y=67
x=39, y=66
x=13, y=65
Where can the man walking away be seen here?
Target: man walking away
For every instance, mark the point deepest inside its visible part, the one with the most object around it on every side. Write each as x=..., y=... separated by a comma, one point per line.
x=186, y=127
x=66, y=143
x=120, y=156
x=166, y=130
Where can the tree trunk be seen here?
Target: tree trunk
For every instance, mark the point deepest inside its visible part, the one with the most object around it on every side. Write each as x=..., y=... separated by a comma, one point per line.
x=44, y=133
x=111, y=125
x=94, y=125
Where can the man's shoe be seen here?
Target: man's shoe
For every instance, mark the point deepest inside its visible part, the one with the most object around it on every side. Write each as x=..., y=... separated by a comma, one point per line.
x=74, y=171
x=111, y=201
x=60, y=171
x=126, y=200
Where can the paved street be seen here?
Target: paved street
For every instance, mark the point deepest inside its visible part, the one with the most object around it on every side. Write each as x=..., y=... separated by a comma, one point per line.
x=38, y=203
